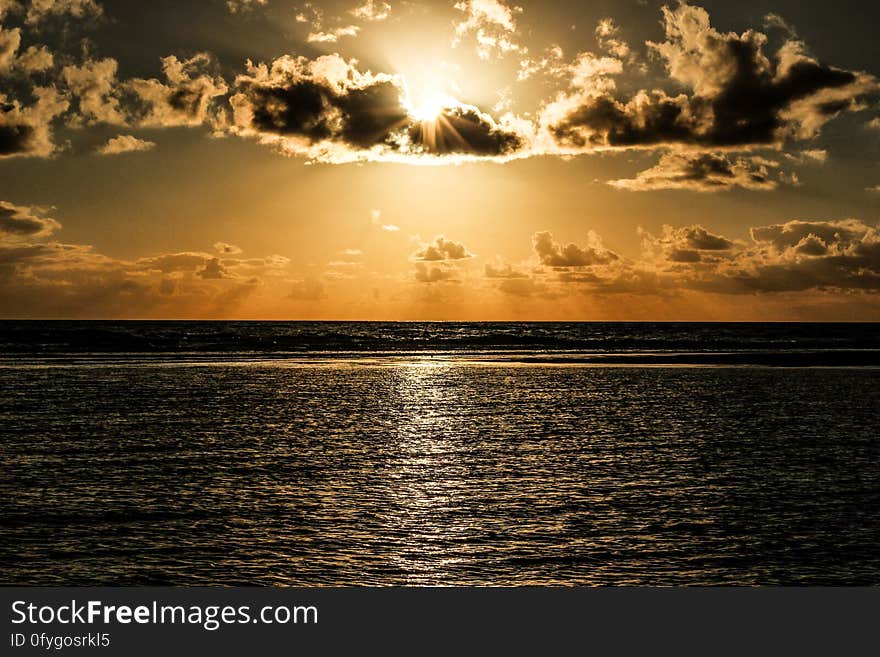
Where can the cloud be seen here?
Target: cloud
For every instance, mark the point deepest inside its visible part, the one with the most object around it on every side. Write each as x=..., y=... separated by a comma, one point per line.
x=17, y=221
x=313, y=102
x=311, y=14
x=94, y=85
x=10, y=40
x=347, y=263
x=369, y=11
x=265, y=266
x=697, y=237
x=808, y=156
x=125, y=144
x=464, y=129
x=492, y=23
x=776, y=22
x=796, y=256
x=790, y=235
x=502, y=270
x=73, y=280
x=515, y=282
x=40, y=277
x=242, y=6
x=376, y=220
x=835, y=257
x=738, y=97
x=224, y=248
x=328, y=110
x=807, y=255
x=186, y=96
x=525, y=287
x=555, y=255
x=26, y=131
x=607, y=36
x=442, y=249
x=175, y=262
x=36, y=59
x=426, y=273
x=687, y=244
x=720, y=94
x=214, y=270
x=333, y=35
x=307, y=290
x=702, y=172
x=723, y=97
x=39, y=10
x=437, y=261
x=372, y=10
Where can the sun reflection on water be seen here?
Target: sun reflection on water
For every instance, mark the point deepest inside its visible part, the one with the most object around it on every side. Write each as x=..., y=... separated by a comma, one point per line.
x=427, y=471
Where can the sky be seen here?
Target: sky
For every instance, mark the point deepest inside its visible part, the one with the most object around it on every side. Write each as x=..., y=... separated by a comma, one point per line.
x=444, y=160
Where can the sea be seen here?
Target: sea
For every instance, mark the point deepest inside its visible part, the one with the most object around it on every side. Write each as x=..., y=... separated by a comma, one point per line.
x=439, y=454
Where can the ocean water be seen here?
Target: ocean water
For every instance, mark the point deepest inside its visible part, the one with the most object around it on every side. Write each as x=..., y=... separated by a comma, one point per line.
x=438, y=454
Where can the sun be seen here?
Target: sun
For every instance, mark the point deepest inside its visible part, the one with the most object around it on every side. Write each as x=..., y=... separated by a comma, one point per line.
x=429, y=107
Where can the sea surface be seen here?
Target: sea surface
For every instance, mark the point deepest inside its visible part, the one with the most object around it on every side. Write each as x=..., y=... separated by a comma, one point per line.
x=232, y=453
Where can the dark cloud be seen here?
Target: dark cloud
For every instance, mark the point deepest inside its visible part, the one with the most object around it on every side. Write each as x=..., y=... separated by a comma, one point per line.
x=797, y=256
x=26, y=130
x=739, y=97
x=318, y=111
x=555, y=255
x=16, y=139
x=16, y=221
x=790, y=257
x=464, y=130
x=214, y=270
x=812, y=246
x=650, y=119
x=687, y=244
x=327, y=109
x=791, y=234
x=702, y=172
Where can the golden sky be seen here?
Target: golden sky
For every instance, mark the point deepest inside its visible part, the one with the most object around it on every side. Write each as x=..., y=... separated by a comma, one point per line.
x=472, y=160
